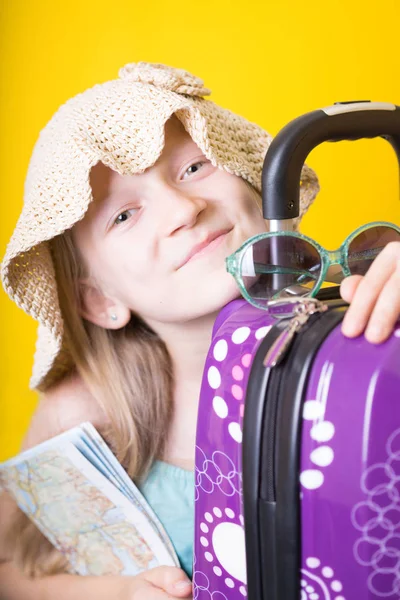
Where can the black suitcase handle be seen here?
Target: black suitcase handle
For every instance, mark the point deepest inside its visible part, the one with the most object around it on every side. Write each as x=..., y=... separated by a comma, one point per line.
x=288, y=151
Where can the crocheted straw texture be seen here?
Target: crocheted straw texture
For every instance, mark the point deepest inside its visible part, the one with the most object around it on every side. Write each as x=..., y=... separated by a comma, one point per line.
x=121, y=123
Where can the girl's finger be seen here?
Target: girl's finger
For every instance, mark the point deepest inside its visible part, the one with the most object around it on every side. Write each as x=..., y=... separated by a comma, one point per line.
x=386, y=311
x=171, y=579
x=369, y=288
x=349, y=286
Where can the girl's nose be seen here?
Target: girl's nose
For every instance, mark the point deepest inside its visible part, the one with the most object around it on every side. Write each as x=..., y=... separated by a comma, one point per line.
x=181, y=210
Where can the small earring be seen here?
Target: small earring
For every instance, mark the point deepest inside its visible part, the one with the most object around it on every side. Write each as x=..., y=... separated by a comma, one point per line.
x=113, y=317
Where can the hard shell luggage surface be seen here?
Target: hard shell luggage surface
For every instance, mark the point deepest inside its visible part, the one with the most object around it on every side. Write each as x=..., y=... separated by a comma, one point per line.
x=350, y=471
x=219, y=552
x=348, y=476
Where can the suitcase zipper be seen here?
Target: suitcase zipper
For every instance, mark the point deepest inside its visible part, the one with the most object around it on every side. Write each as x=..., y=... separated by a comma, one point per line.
x=301, y=310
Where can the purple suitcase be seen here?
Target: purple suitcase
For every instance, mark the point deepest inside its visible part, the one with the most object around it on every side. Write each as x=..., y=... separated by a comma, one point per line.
x=298, y=496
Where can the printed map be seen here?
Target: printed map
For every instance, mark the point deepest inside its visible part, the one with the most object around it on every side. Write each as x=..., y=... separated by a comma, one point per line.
x=86, y=517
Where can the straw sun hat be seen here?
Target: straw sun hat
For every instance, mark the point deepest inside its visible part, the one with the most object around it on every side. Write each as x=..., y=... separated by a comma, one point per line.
x=120, y=123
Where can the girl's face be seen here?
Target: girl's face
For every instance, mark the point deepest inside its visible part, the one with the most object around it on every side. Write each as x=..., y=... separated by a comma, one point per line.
x=156, y=242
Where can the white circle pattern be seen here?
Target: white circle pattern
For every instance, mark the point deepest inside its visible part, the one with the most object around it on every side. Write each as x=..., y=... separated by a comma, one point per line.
x=217, y=472
x=322, y=456
x=222, y=530
x=234, y=382
x=262, y=332
x=214, y=378
x=226, y=546
x=323, y=431
x=220, y=350
x=327, y=572
x=316, y=581
x=377, y=518
x=312, y=409
x=240, y=335
x=236, y=432
x=311, y=479
x=336, y=586
x=320, y=431
x=220, y=407
x=313, y=562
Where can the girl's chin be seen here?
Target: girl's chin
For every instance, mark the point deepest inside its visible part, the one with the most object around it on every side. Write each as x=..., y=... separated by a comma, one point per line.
x=216, y=301
x=197, y=302
x=209, y=307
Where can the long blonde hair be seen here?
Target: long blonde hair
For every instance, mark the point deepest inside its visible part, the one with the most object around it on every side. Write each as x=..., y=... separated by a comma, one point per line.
x=129, y=373
x=128, y=370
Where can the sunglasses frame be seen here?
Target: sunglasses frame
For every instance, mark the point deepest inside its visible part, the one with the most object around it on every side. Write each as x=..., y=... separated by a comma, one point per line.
x=328, y=257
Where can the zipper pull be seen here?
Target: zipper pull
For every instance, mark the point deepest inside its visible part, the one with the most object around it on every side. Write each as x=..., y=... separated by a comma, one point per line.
x=302, y=309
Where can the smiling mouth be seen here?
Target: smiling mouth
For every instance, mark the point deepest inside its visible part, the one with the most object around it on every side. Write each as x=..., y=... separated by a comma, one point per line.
x=210, y=243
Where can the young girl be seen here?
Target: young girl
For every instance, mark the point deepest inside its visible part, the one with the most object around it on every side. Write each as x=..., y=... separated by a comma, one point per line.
x=136, y=192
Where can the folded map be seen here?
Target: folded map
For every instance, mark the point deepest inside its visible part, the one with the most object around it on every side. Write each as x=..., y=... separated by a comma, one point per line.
x=80, y=497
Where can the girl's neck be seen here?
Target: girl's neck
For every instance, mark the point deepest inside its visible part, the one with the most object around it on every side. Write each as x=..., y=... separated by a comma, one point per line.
x=187, y=345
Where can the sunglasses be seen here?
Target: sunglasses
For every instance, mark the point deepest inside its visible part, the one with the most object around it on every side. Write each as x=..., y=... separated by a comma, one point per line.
x=283, y=264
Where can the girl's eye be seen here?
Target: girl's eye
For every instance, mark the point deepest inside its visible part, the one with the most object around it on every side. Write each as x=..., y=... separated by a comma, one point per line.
x=193, y=169
x=124, y=216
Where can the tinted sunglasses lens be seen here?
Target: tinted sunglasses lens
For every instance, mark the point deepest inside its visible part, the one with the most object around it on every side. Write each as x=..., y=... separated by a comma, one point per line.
x=366, y=246
x=276, y=264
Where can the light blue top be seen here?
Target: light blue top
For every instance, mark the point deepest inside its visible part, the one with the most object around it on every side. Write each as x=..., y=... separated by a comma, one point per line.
x=170, y=492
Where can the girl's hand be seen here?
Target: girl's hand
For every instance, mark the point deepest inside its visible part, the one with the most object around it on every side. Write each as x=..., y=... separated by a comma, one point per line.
x=374, y=298
x=155, y=584
x=160, y=583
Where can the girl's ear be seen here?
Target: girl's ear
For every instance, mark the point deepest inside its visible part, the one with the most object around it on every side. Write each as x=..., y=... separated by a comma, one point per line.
x=102, y=310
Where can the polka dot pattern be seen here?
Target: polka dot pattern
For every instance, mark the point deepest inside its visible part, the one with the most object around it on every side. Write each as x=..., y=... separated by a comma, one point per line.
x=262, y=332
x=224, y=546
x=236, y=432
x=321, y=432
x=220, y=407
x=237, y=373
x=246, y=360
x=240, y=335
x=226, y=370
x=220, y=350
x=220, y=549
x=317, y=582
x=237, y=392
x=214, y=378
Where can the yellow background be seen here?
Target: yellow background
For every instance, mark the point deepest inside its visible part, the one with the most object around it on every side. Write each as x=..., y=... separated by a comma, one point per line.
x=269, y=61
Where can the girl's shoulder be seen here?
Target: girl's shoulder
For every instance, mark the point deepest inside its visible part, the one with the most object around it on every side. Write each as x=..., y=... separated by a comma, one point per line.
x=65, y=405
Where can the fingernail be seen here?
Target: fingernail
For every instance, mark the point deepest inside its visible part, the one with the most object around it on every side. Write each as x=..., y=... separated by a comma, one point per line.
x=350, y=328
x=374, y=333
x=184, y=583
